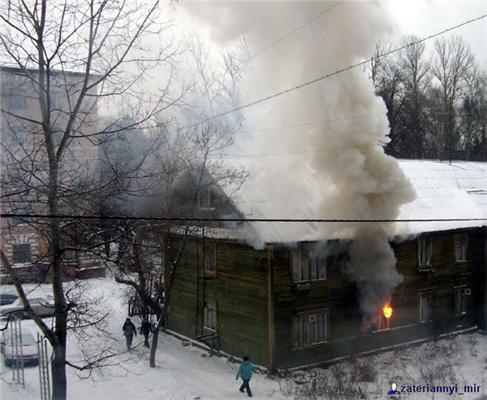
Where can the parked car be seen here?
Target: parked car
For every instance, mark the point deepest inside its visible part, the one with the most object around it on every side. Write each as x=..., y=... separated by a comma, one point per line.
x=42, y=306
x=7, y=298
x=26, y=352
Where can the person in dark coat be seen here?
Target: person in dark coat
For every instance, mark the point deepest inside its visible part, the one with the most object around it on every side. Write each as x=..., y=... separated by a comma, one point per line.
x=146, y=329
x=245, y=372
x=129, y=330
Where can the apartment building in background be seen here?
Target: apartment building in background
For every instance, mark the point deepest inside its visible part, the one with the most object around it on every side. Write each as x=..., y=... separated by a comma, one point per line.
x=25, y=168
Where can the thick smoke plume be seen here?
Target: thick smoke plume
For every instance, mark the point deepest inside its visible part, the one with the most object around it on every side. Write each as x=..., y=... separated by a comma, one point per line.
x=318, y=151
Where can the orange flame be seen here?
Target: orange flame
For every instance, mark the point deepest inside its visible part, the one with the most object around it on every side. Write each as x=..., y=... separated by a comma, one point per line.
x=387, y=310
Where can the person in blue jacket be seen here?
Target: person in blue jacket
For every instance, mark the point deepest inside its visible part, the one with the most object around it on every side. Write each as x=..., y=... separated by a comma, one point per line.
x=245, y=372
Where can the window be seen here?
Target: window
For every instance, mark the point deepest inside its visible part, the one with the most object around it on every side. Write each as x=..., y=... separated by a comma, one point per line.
x=382, y=323
x=20, y=209
x=460, y=304
x=17, y=99
x=209, y=256
x=209, y=310
x=425, y=312
x=424, y=253
x=308, y=265
x=21, y=253
x=460, y=248
x=310, y=329
x=205, y=198
x=55, y=98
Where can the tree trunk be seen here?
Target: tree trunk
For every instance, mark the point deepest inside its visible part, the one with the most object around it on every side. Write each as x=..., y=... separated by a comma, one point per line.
x=155, y=339
x=58, y=369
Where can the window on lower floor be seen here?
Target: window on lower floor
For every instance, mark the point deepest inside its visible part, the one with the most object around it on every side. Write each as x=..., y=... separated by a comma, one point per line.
x=460, y=303
x=209, y=321
x=460, y=248
x=382, y=323
x=310, y=329
x=21, y=253
x=425, y=306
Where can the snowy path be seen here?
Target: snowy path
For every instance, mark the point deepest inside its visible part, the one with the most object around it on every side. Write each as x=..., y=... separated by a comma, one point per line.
x=189, y=373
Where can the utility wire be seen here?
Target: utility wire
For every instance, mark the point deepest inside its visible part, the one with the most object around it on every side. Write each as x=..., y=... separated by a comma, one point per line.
x=291, y=32
x=194, y=219
x=329, y=75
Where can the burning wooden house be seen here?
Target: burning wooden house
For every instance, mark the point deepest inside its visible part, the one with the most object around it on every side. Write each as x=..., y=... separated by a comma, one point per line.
x=286, y=296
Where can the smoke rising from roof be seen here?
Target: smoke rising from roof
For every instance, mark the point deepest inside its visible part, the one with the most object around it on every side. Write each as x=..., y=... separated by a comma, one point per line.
x=334, y=129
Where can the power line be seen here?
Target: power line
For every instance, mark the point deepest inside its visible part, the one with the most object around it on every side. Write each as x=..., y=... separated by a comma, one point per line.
x=292, y=32
x=331, y=74
x=198, y=219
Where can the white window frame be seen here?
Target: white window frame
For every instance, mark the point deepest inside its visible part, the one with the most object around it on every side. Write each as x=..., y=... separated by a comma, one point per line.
x=308, y=266
x=205, y=198
x=310, y=329
x=424, y=250
x=422, y=297
x=460, y=244
x=210, y=315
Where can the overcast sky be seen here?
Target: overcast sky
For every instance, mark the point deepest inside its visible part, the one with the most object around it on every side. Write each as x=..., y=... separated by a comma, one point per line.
x=423, y=18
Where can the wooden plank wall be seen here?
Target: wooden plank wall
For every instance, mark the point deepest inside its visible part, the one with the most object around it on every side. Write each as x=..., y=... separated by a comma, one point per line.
x=339, y=296
x=240, y=291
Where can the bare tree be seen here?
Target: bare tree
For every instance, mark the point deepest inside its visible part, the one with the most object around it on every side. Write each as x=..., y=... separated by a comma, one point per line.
x=190, y=172
x=453, y=62
x=73, y=57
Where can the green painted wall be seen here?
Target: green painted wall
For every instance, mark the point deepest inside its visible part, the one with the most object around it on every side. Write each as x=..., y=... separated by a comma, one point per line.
x=340, y=298
x=240, y=291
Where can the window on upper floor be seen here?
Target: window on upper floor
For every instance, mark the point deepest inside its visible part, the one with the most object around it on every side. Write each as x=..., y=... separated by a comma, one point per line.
x=425, y=306
x=460, y=300
x=310, y=329
x=460, y=247
x=21, y=253
x=308, y=265
x=424, y=252
x=17, y=99
x=20, y=209
x=209, y=315
x=56, y=97
x=209, y=257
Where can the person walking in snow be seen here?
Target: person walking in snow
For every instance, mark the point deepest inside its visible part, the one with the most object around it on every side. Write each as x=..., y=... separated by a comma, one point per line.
x=129, y=330
x=146, y=329
x=245, y=372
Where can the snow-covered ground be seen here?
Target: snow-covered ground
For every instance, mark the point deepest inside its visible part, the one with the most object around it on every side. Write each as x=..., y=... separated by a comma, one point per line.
x=186, y=372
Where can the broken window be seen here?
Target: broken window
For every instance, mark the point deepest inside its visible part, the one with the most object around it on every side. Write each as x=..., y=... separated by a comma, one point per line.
x=460, y=248
x=308, y=265
x=21, y=253
x=424, y=253
x=310, y=329
x=382, y=322
x=209, y=321
x=425, y=312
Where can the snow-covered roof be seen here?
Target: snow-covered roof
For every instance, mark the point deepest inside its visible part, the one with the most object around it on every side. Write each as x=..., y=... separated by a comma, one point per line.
x=444, y=190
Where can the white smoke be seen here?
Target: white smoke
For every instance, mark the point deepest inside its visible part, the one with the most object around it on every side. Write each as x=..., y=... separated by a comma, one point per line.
x=331, y=133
